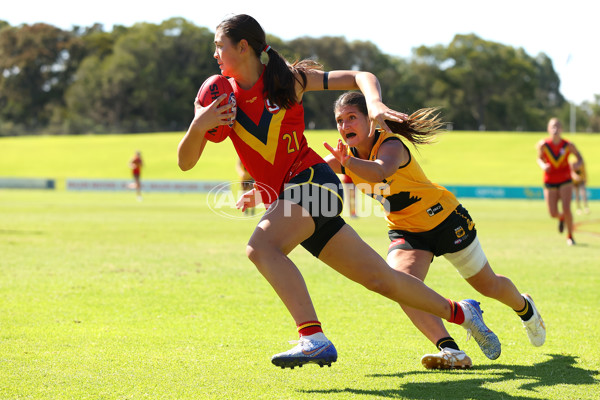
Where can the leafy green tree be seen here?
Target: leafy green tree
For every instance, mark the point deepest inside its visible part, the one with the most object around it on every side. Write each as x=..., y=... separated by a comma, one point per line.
x=587, y=116
x=594, y=114
x=487, y=85
x=147, y=83
x=145, y=77
x=337, y=53
x=37, y=64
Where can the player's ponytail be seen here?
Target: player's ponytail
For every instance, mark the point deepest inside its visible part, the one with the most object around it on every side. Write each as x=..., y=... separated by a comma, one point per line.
x=280, y=78
x=420, y=127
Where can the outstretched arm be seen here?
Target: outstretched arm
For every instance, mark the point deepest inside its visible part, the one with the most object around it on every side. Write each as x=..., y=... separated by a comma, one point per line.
x=366, y=82
x=390, y=157
x=540, y=160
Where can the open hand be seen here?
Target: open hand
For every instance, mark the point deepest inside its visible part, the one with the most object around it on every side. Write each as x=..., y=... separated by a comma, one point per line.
x=249, y=199
x=379, y=112
x=213, y=114
x=340, y=152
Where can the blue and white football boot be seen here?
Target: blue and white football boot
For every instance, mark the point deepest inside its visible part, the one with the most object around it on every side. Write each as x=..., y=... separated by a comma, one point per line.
x=486, y=339
x=321, y=352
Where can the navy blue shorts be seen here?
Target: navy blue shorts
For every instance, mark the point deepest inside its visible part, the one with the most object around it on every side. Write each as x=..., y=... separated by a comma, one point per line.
x=557, y=185
x=455, y=233
x=318, y=190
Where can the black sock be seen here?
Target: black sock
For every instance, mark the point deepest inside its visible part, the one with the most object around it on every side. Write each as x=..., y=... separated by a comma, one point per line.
x=527, y=312
x=447, y=342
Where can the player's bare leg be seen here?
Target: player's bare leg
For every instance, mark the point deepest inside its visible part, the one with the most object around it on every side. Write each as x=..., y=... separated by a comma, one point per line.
x=268, y=248
x=416, y=263
x=348, y=254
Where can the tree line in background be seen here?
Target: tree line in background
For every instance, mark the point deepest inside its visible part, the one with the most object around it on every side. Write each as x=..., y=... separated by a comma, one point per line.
x=144, y=78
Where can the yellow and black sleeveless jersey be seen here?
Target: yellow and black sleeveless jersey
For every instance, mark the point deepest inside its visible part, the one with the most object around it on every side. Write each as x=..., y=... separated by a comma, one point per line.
x=411, y=201
x=579, y=175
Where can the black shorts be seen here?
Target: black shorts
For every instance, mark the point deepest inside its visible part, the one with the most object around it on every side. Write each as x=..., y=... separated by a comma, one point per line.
x=454, y=234
x=557, y=185
x=318, y=190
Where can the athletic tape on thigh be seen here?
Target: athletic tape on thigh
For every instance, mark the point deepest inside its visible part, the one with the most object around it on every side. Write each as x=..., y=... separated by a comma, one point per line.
x=469, y=261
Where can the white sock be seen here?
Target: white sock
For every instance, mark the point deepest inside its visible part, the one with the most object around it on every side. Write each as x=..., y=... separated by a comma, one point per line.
x=467, y=312
x=317, y=337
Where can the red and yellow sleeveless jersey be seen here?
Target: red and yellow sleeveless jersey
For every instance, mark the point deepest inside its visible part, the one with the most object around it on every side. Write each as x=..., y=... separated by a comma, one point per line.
x=557, y=155
x=270, y=140
x=411, y=201
x=136, y=162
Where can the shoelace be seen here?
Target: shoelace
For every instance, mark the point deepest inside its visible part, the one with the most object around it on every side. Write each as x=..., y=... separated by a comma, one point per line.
x=534, y=326
x=450, y=357
x=298, y=341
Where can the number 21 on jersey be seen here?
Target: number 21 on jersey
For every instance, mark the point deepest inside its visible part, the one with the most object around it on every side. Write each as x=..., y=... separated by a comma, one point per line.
x=292, y=142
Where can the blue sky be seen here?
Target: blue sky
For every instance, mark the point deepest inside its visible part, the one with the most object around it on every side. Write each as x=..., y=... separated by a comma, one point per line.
x=564, y=30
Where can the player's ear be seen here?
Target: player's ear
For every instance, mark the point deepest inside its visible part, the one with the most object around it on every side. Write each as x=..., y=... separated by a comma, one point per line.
x=243, y=46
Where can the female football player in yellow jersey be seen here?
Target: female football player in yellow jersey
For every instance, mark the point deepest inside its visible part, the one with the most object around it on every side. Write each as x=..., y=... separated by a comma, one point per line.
x=579, y=177
x=302, y=194
x=424, y=219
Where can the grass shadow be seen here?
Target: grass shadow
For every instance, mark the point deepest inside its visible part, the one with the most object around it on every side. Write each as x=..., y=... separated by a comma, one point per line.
x=558, y=370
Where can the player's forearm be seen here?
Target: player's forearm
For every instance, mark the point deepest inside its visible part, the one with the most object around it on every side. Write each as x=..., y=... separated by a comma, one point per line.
x=190, y=148
x=369, y=86
x=367, y=170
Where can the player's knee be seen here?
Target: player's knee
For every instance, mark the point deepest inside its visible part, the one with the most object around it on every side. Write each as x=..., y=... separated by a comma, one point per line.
x=259, y=254
x=253, y=253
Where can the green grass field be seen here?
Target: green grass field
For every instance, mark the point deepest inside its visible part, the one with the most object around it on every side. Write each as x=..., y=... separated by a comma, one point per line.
x=103, y=297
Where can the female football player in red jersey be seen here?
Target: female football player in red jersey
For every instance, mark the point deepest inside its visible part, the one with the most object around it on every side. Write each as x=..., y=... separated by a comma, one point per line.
x=302, y=194
x=424, y=219
x=553, y=158
x=135, y=164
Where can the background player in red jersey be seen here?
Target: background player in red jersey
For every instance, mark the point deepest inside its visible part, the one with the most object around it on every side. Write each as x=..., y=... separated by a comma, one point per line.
x=135, y=164
x=303, y=195
x=553, y=158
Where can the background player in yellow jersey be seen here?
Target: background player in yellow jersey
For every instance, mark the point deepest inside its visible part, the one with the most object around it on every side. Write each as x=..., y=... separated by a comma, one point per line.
x=425, y=219
x=579, y=177
x=246, y=182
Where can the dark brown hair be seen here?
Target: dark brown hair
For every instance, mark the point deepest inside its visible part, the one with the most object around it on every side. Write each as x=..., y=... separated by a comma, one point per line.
x=420, y=127
x=279, y=78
